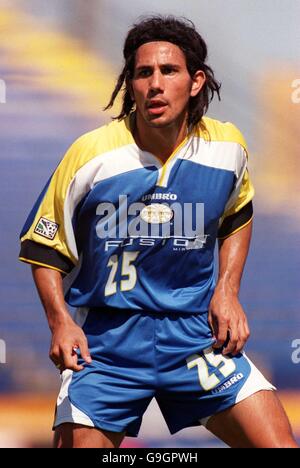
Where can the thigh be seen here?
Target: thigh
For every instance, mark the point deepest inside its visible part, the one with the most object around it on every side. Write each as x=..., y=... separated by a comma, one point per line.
x=259, y=421
x=113, y=391
x=78, y=436
x=206, y=384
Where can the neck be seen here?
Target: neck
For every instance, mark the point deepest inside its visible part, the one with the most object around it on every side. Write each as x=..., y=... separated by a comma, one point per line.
x=160, y=141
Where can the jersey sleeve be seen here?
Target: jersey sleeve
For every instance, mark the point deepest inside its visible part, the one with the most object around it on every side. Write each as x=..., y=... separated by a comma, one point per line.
x=47, y=238
x=239, y=209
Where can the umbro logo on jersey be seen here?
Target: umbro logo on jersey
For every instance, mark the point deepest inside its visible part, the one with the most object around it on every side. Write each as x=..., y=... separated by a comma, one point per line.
x=160, y=196
x=234, y=380
x=46, y=228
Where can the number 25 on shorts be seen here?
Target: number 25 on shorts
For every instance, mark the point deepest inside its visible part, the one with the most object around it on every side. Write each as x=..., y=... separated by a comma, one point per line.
x=208, y=382
x=127, y=269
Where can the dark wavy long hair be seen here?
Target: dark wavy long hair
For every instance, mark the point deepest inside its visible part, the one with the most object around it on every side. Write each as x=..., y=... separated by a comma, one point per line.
x=181, y=32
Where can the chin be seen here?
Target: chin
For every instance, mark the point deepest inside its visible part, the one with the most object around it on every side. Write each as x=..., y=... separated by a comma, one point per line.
x=159, y=122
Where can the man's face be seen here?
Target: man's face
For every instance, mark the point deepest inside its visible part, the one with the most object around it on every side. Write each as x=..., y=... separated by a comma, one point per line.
x=161, y=84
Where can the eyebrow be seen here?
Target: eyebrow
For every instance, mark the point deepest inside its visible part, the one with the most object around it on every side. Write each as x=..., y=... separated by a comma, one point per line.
x=171, y=65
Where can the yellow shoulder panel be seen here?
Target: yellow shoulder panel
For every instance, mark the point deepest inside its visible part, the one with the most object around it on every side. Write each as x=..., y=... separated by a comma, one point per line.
x=97, y=142
x=215, y=130
x=84, y=149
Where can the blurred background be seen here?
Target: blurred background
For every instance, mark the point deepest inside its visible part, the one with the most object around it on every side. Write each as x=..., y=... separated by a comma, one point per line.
x=58, y=64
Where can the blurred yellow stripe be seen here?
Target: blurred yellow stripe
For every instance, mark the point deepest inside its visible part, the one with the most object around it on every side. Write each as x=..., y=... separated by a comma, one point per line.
x=32, y=414
x=291, y=403
x=59, y=62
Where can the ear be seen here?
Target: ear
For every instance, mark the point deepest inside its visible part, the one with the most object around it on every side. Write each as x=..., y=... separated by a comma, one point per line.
x=198, y=81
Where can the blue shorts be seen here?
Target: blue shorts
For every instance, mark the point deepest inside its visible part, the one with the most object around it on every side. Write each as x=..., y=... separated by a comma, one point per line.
x=138, y=356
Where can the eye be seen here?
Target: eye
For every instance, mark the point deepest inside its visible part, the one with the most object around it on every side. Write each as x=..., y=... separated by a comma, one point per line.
x=169, y=70
x=143, y=73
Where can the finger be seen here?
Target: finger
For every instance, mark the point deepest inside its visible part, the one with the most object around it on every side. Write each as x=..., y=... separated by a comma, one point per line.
x=233, y=340
x=60, y=367
x=210, y=322
x=55, y=358
x=244, y=334
x=54, y=355
x=60, y=359
x=246, y=329
x=221, y=334
x=69, y=360
x=84, y=351
x=239, y=347
x=74, y=368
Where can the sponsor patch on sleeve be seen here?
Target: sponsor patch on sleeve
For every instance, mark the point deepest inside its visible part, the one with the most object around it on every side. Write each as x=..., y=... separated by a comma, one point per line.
x=46, y=228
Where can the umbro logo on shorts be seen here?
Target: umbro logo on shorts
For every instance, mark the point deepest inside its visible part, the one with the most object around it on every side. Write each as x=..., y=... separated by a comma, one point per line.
x=46, y=228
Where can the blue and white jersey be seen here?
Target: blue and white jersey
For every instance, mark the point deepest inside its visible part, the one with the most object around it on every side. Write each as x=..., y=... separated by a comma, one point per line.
x=132, y=232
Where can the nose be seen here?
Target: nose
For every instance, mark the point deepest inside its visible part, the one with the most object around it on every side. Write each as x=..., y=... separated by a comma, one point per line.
x=156, y=82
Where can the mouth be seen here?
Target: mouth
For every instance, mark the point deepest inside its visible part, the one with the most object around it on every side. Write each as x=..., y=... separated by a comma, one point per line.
x=156, y=106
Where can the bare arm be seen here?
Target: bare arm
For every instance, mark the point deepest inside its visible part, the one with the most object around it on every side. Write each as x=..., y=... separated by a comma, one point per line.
x=66, y=335
x=226, y=314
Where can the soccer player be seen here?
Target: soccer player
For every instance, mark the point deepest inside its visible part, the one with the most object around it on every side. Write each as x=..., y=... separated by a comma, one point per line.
x=125, y=231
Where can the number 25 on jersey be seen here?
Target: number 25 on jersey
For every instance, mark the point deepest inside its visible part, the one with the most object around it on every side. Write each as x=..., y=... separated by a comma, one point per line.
x=127, y=270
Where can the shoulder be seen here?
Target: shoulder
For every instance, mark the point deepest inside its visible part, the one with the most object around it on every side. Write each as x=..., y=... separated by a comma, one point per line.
x=215, y=130
x=101, y=140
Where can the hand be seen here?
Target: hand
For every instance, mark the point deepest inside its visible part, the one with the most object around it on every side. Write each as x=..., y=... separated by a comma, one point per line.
x=227, y=317
x=66, y=339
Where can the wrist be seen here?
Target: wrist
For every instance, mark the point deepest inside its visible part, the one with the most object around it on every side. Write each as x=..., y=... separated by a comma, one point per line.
x=226, y=284
x=56, y=321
